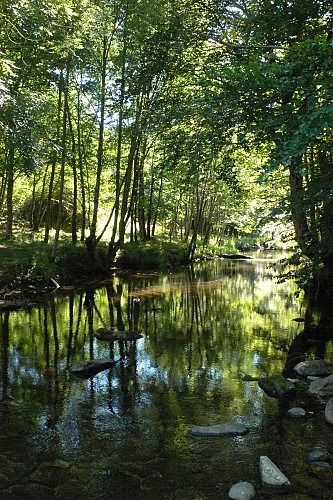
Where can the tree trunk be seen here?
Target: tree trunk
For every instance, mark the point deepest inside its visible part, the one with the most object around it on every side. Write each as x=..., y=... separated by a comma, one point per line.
x=62, y=170
x=73, y=158
x=10, y=190
x=91, y=241
x=53, y=165
x=302, y=232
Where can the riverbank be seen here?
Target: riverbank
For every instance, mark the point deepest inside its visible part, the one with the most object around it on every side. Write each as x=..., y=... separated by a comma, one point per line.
x=28, y=268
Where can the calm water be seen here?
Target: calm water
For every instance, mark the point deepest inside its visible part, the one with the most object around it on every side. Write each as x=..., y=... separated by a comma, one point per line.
x=124, y=434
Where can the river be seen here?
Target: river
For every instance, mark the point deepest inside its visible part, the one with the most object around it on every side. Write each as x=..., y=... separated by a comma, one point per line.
x=125, y=433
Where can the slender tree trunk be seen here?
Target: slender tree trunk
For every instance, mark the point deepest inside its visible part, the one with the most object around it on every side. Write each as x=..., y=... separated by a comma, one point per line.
x=41, y=207
x=80, y=165
x=49, y=207
x=10, y=190
x=75, y=187
x=113, y=247
x=158, y=204
x=62, y=169
x=300, y=222
x=3, y=190
x=33, y=203
x=91, y=240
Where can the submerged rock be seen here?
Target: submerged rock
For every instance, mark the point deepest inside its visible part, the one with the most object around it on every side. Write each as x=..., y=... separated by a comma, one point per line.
x=316, y=367
x=270, y=474
x=322, y=387
x=329, y=411
x=111, y=335
x=296, y=412
x=319, y=455
x=219, y=430
x=242, y=491
x=277, y=386
x=86, y=369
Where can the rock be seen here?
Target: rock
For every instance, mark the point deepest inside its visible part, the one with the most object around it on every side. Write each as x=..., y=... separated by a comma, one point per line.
x=294, y=380
x=111, y=335
x=219, y=430
x=311, y=378
x=326, y=465
x=277, y=386
x=322, y=387
x=319, y=455
x=86, y=369
x=329, y=411
x=316, y=367
x=270, y=474
x=296, y=412
x=236, y=256
x=242, y=491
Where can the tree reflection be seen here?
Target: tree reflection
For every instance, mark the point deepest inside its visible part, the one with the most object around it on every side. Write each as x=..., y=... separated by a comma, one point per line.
x=313, y=340
x=5, y=356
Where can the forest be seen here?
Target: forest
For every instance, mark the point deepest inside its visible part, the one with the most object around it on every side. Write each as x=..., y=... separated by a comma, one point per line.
x=202, y=126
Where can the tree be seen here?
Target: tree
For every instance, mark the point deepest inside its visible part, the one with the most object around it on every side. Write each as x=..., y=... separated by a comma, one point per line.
x=275, y=87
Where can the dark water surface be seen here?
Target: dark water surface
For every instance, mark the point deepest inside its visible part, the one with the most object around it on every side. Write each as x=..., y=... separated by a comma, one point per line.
x=124, y=434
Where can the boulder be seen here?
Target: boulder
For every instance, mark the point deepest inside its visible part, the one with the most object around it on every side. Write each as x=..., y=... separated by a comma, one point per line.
x=322, y=387
x=316, y=367
x=86, y=369
x=329, y=411
x=296, y=412
x=270, y=474
x=111, y=335
x=277, y=386
x=219, y=430
x=242, y=491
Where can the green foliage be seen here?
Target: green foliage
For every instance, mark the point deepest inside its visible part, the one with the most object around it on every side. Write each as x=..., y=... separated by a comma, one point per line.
x=152, y=255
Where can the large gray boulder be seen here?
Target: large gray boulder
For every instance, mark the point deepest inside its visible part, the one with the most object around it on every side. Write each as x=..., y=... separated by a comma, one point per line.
x=322, y=387
x=316, y=367
x=329, y=411
x=242, y=491
x=270, y=474
x=219, y=430
x=277, y=386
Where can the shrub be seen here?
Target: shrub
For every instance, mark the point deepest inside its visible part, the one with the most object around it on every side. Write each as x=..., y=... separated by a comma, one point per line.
x=151, y=255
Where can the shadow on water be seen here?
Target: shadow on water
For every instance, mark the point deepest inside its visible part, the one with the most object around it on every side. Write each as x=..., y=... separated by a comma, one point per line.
x=124, y=433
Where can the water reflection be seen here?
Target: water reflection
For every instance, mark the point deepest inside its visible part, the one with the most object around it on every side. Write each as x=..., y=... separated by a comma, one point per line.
x=125, y=430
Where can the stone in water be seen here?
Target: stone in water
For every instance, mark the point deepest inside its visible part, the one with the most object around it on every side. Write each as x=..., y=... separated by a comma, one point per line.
x=270, y=474
x=219, y=430
x=242, y=491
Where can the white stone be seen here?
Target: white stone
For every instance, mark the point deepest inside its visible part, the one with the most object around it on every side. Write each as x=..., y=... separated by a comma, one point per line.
x=242, y=491
x=270, y=474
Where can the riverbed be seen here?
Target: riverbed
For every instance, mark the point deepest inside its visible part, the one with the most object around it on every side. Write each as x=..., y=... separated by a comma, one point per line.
x=125, y=433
